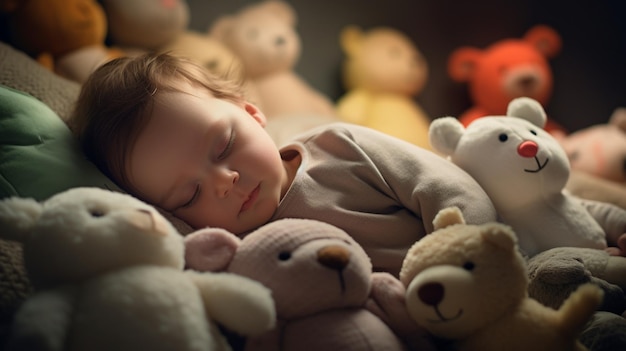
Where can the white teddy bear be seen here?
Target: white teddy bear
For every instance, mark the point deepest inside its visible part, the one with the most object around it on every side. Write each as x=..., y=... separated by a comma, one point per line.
x=524, y=170
x=108, y=275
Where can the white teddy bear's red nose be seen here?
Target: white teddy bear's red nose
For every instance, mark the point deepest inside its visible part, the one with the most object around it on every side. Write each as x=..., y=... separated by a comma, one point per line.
x=527, y=149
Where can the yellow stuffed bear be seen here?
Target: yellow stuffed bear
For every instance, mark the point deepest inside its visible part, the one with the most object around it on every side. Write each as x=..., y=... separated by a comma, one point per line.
x=469, y=283
x=383, y=72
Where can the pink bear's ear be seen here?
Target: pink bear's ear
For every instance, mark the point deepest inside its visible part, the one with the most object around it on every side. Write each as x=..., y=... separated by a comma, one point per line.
x=210, y=249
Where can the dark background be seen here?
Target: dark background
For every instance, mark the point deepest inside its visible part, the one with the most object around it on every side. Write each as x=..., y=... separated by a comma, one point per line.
x=589, y=72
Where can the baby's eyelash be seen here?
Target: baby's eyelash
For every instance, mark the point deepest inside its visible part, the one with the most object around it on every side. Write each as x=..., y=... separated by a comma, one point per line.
x=228, y=147
x=191, y=201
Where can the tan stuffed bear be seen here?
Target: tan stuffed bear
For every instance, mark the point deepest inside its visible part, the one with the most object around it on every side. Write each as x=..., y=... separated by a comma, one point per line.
x=469, y=283
x=383, y=72
x=263, y=36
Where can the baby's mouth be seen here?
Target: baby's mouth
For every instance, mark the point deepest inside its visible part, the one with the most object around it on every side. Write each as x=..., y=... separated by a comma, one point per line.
x=251, y=198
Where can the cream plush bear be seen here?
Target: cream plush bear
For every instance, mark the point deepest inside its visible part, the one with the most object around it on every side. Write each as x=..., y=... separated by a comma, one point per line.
x=383, y=73
x=107, y=272
x=321, y=280
x=264, y=37
x=469, y=283
x=524, y=170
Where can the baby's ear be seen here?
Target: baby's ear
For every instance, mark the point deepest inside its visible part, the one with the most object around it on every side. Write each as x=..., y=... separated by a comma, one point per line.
x=256, y=113
x=210, y=249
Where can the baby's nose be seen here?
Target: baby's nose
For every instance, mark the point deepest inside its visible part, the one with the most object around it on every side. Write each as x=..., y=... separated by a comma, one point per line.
x=224, y=182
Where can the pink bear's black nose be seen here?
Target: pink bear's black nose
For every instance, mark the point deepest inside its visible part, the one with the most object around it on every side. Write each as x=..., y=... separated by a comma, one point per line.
x=431, y=293
x=334, y=257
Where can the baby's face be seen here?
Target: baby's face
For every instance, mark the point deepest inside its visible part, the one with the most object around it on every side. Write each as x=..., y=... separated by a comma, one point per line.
x=209, y=161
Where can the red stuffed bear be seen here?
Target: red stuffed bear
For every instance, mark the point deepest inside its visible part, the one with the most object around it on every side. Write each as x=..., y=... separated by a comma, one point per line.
x=505, y=70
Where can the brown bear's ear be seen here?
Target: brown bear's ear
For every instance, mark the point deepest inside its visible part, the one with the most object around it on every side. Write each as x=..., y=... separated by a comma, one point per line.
x=499, y=235
x=462, y=63
x=544, y=39
x=350, y=39
x=447, y=217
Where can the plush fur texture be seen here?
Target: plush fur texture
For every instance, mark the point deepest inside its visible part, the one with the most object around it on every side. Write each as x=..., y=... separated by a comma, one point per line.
x=558, y=272
x=468, y=283
x=320, y=279
x=507, y=69
x=107, y=270
x=523, y=169
x=383, y=73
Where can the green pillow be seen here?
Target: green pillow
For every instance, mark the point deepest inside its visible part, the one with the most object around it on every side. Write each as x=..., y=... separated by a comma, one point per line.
x=39, y=156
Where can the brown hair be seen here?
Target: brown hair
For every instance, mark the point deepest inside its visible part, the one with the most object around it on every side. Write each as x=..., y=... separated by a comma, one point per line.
x=116, y=100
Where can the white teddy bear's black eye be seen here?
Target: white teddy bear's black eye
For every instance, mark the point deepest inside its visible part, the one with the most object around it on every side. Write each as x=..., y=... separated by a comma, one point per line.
x=284, y=255
x=533, y=132
x=469, y=266
x=94, y=212
x=503, y=137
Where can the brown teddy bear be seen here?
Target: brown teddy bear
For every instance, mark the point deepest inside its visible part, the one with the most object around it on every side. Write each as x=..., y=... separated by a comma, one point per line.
x=507, y=69
x=66, y=36
x=469, y=283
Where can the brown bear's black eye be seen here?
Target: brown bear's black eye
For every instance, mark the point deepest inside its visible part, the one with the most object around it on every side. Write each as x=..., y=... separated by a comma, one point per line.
x=284, y=256
x=469, y=266
x=503, y=137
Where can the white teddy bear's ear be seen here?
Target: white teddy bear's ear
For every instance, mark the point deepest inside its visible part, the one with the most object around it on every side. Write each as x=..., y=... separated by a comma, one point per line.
x=444, y=134
x=447, y=217
x=17, y=217
x=528, y=109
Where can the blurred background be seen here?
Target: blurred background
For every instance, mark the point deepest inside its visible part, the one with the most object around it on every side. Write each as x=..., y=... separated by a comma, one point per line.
x=589, y=71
